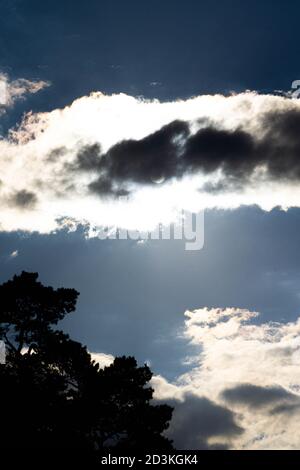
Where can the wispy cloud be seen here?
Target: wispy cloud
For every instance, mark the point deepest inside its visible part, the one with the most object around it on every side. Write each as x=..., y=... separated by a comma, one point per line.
x=14, y=254
x=13, y=90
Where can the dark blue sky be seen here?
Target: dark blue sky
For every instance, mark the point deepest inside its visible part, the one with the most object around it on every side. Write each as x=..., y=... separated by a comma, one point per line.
x=164, y=49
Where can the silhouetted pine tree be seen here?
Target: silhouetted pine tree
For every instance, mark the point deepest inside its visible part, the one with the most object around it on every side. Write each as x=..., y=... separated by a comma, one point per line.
x=53, y=396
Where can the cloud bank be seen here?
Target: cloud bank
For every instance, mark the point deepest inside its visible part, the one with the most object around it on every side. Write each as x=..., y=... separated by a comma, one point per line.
x=245, y=375
x=131, y=162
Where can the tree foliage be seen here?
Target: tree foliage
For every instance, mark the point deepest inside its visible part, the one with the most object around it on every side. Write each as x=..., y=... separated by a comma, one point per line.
x=54, y=396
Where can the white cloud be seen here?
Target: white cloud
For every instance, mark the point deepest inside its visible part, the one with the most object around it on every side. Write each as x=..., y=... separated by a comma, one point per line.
x=104, y=360
x=35, y=155
x=13, y=90
x=14, y=254
x=243, y=387
x=257, y=363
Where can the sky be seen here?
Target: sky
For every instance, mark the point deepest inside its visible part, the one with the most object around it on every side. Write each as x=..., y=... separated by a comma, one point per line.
x=121, y=115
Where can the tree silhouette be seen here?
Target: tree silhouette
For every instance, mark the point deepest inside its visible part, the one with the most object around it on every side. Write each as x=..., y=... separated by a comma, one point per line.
x=53, y=396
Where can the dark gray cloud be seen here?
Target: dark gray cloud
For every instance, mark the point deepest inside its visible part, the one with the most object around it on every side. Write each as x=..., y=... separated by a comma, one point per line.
x=173, y=152
x=211, y=149
x=286, y=408
x=23, y=199
x=88, y=158
x=197, y=419
x=55, y=154
x=280, y=147
x=156, y=157
x=256, y=396
x=103, y=186
x=225, y=185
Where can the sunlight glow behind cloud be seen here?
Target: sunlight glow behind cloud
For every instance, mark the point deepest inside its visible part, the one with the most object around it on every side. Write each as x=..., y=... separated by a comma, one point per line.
x=37, y=188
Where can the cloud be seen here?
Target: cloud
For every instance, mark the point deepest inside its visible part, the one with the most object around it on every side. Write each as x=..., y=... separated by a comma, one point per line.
x=104, y=360
x=287, y=408
x=14, y=254
x=198, y=423
x=23, y=199
x=13, y=90
x=146, y=161
x=249, y=369
x=154, y=159
x=256, y=396
x=173, y=152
